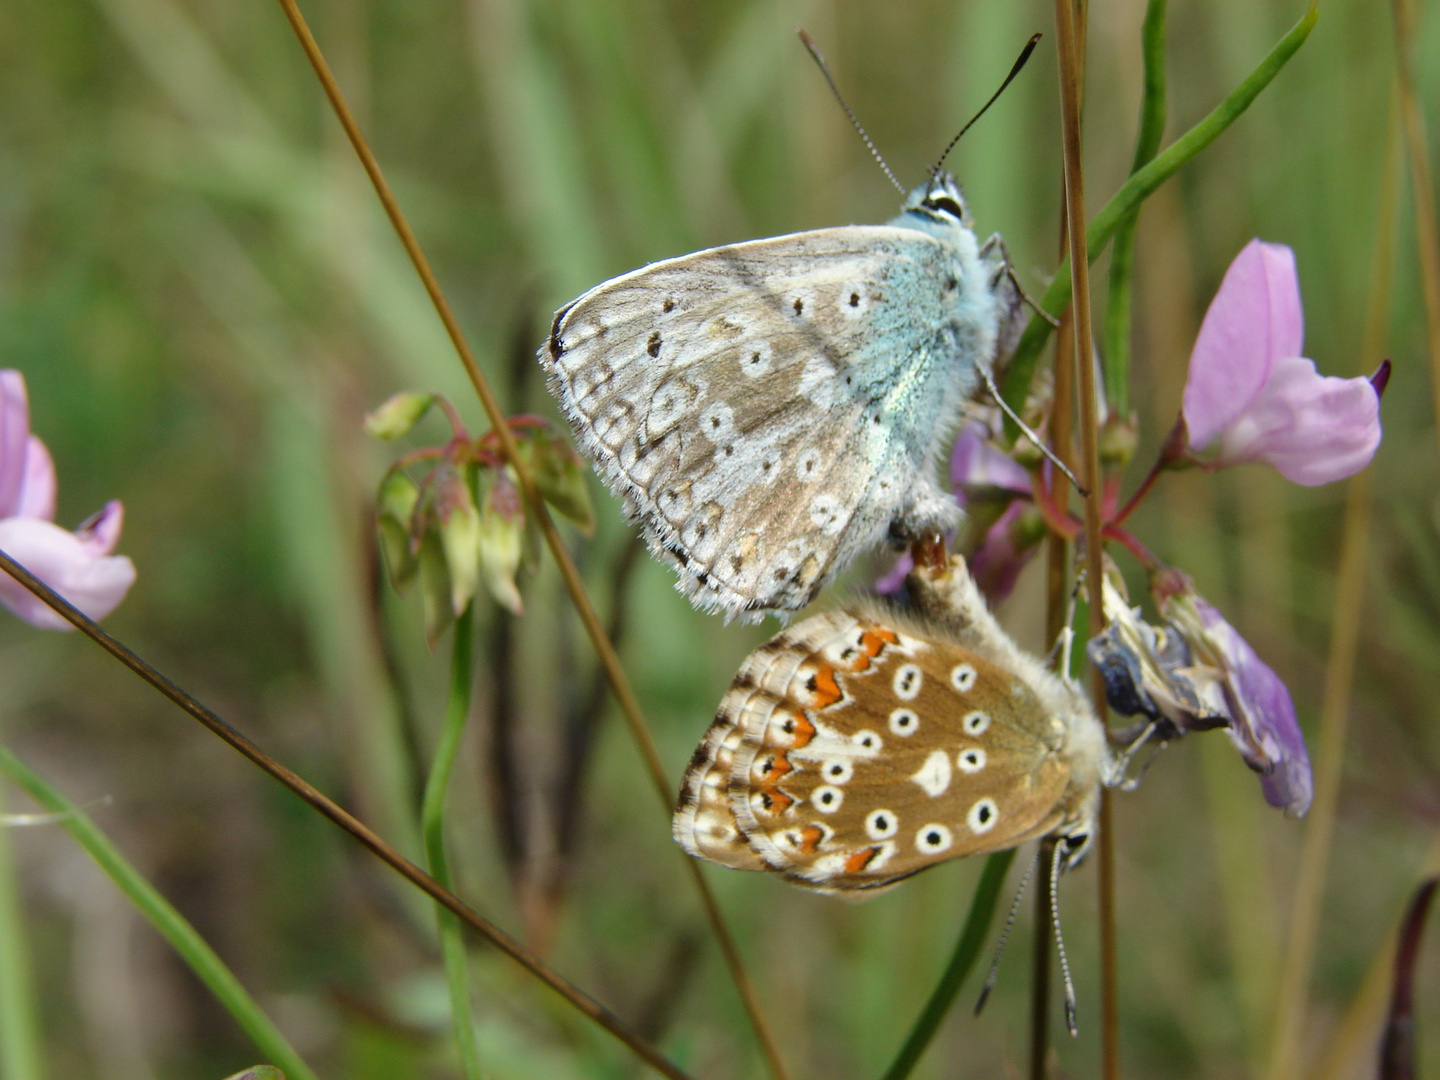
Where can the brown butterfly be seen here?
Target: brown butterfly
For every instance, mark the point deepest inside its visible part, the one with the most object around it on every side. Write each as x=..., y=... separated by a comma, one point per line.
x=862, y=746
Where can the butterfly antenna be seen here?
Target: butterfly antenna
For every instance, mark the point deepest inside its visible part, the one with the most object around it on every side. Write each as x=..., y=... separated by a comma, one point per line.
x=994, y=972
x=1014, y=70
x=1039, y=442
x=1055, y=864
x=819, y=59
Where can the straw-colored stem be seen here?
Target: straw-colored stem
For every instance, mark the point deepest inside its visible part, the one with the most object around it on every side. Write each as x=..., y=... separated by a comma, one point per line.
x=327, y=807
x=609, y=661
x=1304, y=918
x=1417, y=149
x=1068, y=47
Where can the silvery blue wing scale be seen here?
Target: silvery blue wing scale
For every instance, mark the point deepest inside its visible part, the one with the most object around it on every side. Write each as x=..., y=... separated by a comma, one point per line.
x=768, y=410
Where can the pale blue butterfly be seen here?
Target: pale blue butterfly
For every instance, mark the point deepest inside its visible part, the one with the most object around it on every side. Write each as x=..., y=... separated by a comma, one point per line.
x=767, y=410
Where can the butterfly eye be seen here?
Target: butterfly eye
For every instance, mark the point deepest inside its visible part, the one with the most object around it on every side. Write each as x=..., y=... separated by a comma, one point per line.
x=933, y=839
x=881, y=825
x=904, y=722
x=982, y=816
x=976, y=722
x=946, y=205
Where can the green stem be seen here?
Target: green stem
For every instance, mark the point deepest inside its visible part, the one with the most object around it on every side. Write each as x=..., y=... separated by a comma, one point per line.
x=173, y=927
x=1122, y=249
x=432, y=825
x=21, y=1047
x=967, y=950
x=1136, y=190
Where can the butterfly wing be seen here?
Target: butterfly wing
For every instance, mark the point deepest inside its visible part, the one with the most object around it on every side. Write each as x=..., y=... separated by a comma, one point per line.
x=854, y=753
x=767, y=409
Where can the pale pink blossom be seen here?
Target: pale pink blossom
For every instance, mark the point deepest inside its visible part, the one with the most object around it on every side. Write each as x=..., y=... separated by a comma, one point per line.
x=81, y=565
x=1250, y=395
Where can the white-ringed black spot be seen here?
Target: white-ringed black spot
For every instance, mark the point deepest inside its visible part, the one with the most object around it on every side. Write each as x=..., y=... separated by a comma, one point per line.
x=982, y=816
x=867, y=741
x=837, y=771
x=904, y=722
x=962, y=677
x=907, y=681
x=933, y=840
x=854, y=299
x=827, y=799
x=976, y=722
x=971, y=760
x=881, y=825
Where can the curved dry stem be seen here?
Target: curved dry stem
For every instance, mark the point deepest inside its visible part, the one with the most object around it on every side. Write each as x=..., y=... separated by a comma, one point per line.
x=609, y=661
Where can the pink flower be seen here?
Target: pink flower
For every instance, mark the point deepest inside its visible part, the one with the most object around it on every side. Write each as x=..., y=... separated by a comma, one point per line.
x=1255, y=398
x=79, y=565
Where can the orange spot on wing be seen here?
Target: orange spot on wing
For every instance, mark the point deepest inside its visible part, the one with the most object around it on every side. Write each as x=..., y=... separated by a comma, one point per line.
x=824, y=687
x=876, y=640
x=860, y=859
x=779, y=766
x=810, y=837
x=775, y=800
x=804, y=731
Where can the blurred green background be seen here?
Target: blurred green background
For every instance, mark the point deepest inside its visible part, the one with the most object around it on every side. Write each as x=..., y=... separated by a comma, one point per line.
x=198, y=285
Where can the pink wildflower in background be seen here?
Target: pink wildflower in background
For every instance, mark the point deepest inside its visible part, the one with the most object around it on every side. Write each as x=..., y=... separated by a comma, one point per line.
x=79, y=565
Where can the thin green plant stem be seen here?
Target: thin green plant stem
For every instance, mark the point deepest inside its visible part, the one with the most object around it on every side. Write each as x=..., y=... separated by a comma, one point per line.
x=609, y=659
x=22, y=1053
x=432, y=828
x=1122, y=246
x=1304, y=920
x=967, y=951
x=172, y=926
x=1137, y=189
x=330, y=809
x=1068, y=46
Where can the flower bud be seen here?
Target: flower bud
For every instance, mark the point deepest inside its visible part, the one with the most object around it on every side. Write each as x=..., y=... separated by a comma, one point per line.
x=398, y=414
x=501, y=544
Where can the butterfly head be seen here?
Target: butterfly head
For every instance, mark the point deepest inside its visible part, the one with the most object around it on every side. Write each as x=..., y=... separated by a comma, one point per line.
x=939, y=201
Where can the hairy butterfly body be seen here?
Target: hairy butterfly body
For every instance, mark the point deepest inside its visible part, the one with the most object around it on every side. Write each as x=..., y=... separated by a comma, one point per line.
x=859, y=747
x=767, y=410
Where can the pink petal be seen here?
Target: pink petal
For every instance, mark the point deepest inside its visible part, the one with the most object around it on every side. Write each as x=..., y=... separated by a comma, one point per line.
x=100, y=533
x=14, y=435
x=975, y=462
x=1313, y=428
x=1254, y=320
x=37, y=493
x=894, y=579
x=66, y=563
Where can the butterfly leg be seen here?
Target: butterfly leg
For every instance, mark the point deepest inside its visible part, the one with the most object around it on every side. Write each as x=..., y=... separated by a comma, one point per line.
x=1006, y=269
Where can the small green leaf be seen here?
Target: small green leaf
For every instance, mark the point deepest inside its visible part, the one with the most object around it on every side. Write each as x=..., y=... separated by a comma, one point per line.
x=395, y=510
x=398, y=414
x=560, y=478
